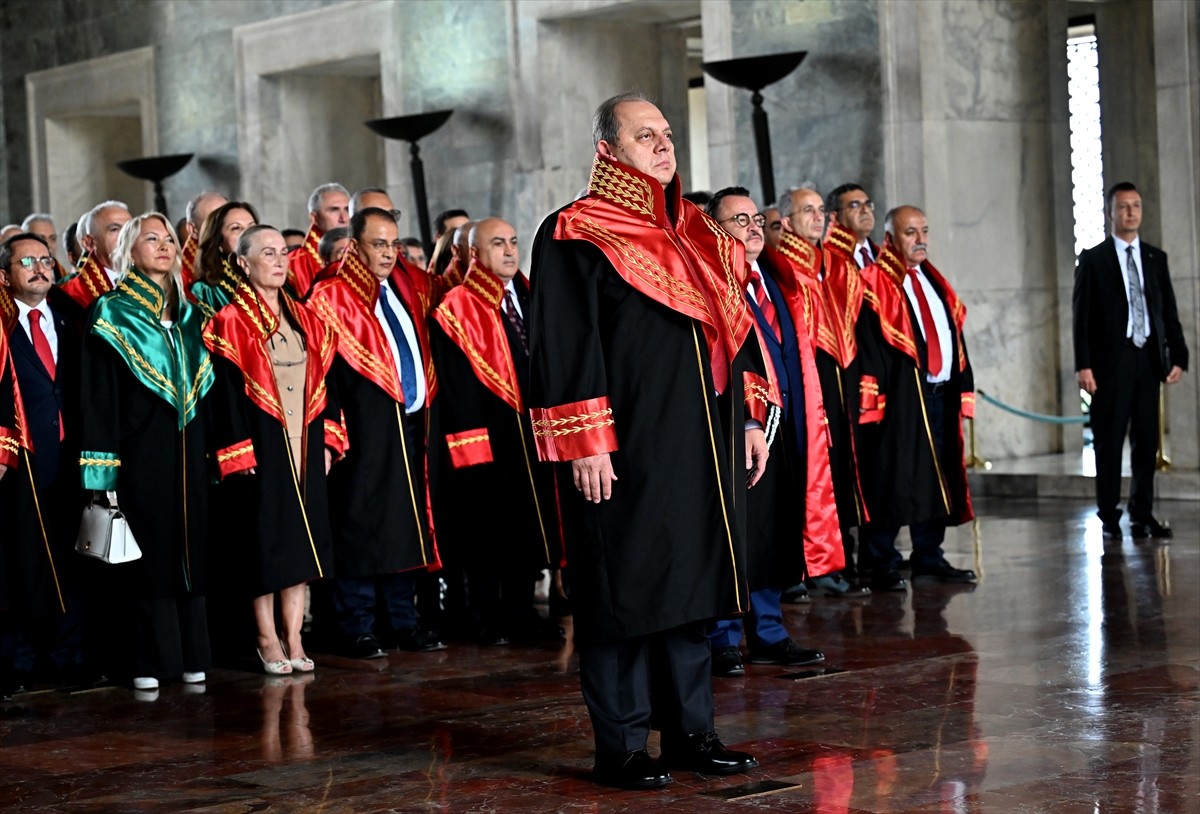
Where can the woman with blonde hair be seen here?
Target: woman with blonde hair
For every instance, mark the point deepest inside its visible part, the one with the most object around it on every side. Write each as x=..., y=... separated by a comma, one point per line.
x=146, y=373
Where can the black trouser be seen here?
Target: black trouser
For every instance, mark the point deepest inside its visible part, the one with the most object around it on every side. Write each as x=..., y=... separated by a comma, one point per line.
x=170, y=636
x=1127, y=398
x=661, y=681
x=879, y=542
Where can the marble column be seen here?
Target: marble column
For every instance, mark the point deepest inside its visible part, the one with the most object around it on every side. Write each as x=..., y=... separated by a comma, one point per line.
x=974, y=131
x=1176, y=27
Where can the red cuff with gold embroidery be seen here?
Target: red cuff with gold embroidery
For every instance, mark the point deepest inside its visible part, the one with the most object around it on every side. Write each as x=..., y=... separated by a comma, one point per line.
x=9, y=446
x=571, y=431
x=757, y=393
x=968, y=405
x=335, y=438
x=236, y=458
x=870, y=403
x=469, y=448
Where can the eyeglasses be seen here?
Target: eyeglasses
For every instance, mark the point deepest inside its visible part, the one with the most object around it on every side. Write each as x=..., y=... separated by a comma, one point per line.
x=45, y=262
x=743, y=220
x=853, y=205
x=380, y=245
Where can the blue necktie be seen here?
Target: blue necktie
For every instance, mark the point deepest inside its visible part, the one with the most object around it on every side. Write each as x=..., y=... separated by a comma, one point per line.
x=408, y=369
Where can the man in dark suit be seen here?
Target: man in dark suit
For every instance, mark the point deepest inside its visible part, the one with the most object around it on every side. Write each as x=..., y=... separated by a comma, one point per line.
x=42, y=506
x=850, y=206
x=781, y=530
x=1127, y=340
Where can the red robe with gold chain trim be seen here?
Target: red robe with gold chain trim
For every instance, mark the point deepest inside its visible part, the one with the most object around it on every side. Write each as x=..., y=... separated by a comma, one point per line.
x=481, y=442
x=274, y=521
x=382, y=520
x=304, y=264
x=638, y=342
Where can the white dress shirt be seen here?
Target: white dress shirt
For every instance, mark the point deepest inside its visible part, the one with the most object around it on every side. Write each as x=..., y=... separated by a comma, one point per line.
x=1137, y=261
x=410, y=333
x=858, y=249
x=941, y=321
x=511, y=289
x=47, y=324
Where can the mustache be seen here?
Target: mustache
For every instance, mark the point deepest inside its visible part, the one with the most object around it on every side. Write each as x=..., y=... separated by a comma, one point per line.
x=39, y=276
x=920, y=247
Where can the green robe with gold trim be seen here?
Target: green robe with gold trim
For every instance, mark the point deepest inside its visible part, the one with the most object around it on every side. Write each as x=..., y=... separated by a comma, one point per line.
x=143, y=432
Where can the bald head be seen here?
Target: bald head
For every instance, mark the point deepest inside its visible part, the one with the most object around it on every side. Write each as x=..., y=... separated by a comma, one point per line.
x=494, y=246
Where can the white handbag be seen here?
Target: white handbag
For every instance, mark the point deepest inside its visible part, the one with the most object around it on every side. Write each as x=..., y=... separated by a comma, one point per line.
x=105, y=535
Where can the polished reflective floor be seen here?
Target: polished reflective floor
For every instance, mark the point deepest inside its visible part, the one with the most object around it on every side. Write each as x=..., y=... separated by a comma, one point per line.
x=1065, y=681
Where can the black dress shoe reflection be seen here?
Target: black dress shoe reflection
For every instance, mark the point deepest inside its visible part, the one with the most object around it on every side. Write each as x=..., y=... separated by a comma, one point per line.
x=1112, y=531
x=705, y=754
x=365, y=647
x=1151, y=528
x=630, y=770
x=727, y=663
x=942, y=571
x=416, y=640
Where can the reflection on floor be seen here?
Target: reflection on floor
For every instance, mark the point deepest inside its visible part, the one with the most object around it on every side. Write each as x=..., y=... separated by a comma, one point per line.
x=1066, y=681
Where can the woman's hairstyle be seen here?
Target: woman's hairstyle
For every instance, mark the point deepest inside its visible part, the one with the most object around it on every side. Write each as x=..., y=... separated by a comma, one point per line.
x=123, y=257
x=209, y=258
x=246, y=239
x=440, y=260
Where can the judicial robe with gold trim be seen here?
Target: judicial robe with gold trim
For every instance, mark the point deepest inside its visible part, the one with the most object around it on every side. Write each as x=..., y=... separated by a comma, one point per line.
x=274, y=523
x=378, y=492
x=144, y=434
x=494, y=500
x=624, y=365
x=904, y=481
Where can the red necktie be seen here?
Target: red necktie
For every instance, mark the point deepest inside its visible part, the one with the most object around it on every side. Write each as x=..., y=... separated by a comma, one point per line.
x=42, y=346
x=40, y=343
x=765, y=305
x=933, y=345
x=866, y=258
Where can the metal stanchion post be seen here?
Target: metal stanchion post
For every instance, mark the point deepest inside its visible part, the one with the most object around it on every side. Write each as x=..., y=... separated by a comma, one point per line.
x=1161, y=461
x=973, y=459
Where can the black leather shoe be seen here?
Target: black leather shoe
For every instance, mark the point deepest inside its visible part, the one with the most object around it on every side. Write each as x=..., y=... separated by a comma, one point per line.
x=942, y=571
x=365, y=647
x=1151, y=528
x=1112, y=531
x=705, y=754
x=727, y=663
x=795, y=595
x=417, y=640
x=835, y=585
x=888, y=581
x=785, y=652
x=630, y=770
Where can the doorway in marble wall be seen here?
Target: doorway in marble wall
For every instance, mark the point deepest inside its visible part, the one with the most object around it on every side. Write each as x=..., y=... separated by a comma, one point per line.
x=313, y=133
x=81, y=156
x=1087, y=170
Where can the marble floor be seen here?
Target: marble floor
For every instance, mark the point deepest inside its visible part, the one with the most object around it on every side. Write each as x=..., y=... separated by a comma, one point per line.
x=1065, y=681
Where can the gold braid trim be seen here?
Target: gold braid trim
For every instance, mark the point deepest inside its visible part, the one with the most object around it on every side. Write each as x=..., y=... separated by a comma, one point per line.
x=555, y=427
x=462, y=442
x=347, y=339
x=611, y=183
x=247, y=449
x=99, y=462
x=153, y=372
x=639, y=261
x=9, y=444
x=463, y=342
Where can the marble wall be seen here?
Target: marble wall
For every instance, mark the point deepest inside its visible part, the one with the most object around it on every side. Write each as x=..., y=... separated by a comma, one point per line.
x=958, y=105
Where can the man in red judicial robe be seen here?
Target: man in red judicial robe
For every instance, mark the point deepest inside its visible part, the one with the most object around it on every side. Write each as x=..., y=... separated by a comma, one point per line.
x=792, y=521
x=916, y=387
x=94, y=275
x=643, y=357
x=853, y=212
x=378, y=493
x=495, y=502
x=824, y=297
x=328, y=207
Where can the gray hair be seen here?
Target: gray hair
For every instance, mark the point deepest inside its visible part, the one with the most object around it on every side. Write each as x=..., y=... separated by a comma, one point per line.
x=246, y=239
x=891, y=216
x=88, y=222
x=356, y=198
x=329, y=240
x=314, y=200
x=604, y=123
x=784, y=204
x=190, y=212
x=36, y=217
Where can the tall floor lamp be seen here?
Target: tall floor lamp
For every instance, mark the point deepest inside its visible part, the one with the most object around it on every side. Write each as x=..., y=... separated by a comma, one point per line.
x=412, y=129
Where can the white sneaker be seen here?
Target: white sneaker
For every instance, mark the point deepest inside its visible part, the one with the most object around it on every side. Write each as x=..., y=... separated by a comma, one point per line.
x=145, y=683
x=194, y=678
